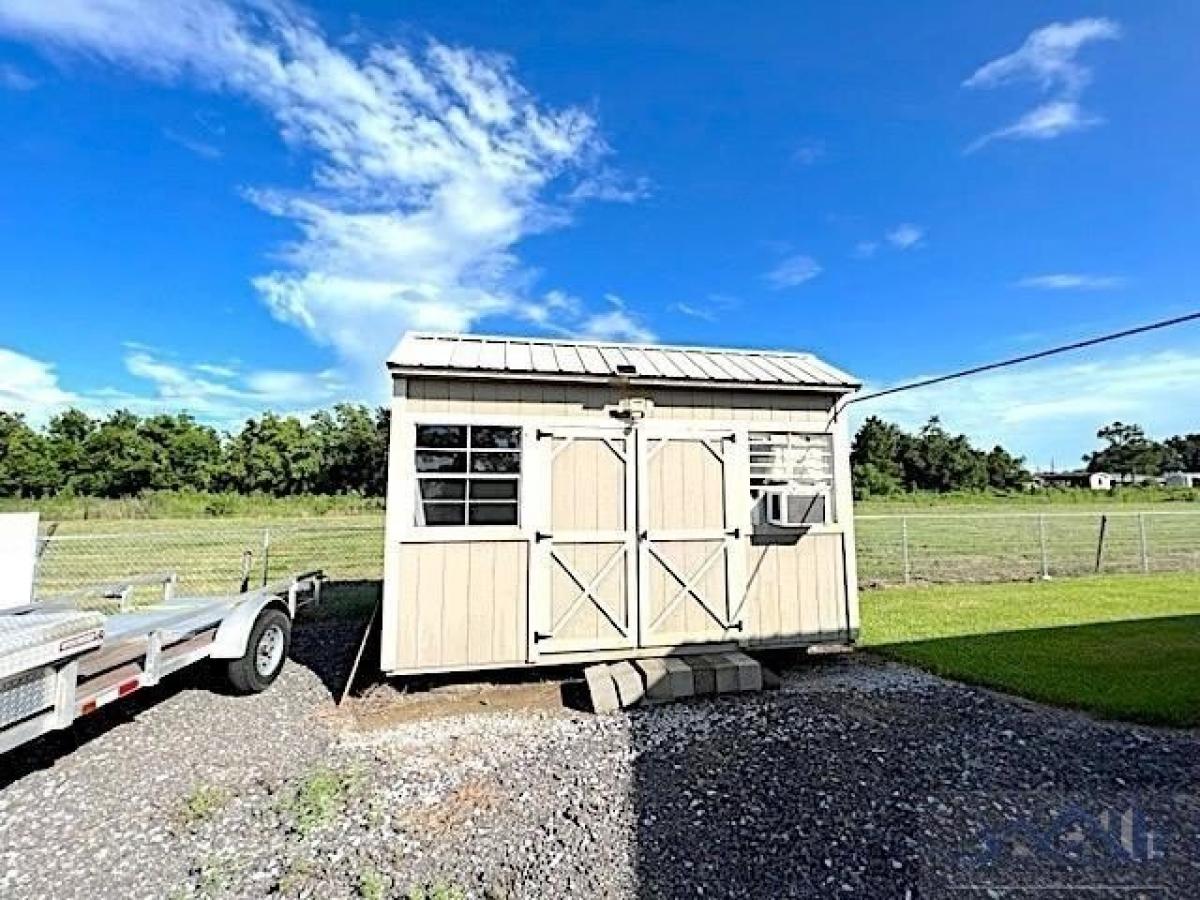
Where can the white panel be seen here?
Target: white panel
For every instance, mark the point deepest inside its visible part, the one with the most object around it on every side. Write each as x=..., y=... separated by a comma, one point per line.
x=594, y=361
x=491, y=355
x=519, y=358
x=705, y=362
x=567, y=358
x=18, y=555
x=543, y=358
x=466, y=354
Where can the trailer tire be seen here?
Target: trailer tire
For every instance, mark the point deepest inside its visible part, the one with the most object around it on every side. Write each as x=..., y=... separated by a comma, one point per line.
x=266, y=650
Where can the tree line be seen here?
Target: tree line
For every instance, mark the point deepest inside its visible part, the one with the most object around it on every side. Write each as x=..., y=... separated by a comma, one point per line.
x=885, y=459
x=337, y=451
x=343, y=450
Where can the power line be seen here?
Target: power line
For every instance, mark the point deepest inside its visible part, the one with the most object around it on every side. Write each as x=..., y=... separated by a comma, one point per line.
x=1029, y=357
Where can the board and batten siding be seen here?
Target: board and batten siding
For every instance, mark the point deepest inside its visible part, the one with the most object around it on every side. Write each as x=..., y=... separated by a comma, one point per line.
x=534, y=400
x=796, y=588
x=465, y=602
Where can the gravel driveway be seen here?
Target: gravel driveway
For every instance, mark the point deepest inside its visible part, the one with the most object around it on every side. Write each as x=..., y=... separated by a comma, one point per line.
x=857, y=778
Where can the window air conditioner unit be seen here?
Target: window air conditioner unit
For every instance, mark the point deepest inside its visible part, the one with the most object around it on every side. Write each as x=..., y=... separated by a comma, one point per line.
x=796, y=508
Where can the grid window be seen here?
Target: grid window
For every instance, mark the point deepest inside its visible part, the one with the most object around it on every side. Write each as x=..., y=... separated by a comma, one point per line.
x=468, y=474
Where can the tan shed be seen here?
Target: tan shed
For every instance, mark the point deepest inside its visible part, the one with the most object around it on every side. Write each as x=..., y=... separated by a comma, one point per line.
x=567, y=501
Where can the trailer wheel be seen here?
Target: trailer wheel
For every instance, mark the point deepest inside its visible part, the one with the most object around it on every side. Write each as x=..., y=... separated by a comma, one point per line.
x=266, y=650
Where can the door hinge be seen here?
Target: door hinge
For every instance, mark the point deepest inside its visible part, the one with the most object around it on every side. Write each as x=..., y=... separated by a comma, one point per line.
x=734, y=626
x=539, y=434
x=539, y=636
x=540, y=536
x=734, y=532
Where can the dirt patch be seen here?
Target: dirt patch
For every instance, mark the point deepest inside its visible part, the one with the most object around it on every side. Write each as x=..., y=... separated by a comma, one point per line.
x=385, y=706
x=472, y=797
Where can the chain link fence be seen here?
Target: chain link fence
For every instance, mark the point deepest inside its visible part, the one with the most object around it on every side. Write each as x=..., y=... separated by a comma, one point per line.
x=939, y=548
x=214, y=556
x=209, y=556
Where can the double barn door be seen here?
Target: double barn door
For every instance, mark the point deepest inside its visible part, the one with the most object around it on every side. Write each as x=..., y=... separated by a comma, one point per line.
x=641, y=541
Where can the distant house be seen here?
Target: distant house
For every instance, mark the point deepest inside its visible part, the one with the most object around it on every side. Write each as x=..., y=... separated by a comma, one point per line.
x=1096, y=481
x=1182, y=479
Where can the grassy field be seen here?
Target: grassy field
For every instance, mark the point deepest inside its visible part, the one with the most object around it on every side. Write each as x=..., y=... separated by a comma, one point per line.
x=1125, y=647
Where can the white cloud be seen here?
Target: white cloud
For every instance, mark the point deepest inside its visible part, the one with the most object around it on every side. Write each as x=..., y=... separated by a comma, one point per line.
x=13, y=79
x=1043, y=123
x=1051, y=410
x=429, y=166
x=1048, y=59
x=865, y=249
x=696, y=312
x=221, y=394
x=198, y=147
x=618, y=324
x=30, y=386
x=610, y=186
x=793, y=271
x=809, y=152
x=905, y=236
x=1071, y=281
x=710, y=309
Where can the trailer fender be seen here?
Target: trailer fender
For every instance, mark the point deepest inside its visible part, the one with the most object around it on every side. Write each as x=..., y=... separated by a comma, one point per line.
x=234, y=631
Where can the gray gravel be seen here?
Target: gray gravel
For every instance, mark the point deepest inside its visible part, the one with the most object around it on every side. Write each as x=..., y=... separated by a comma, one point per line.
x=858, y=778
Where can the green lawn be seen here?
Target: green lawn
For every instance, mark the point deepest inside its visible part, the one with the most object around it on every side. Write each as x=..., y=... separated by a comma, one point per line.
x=1126, y=647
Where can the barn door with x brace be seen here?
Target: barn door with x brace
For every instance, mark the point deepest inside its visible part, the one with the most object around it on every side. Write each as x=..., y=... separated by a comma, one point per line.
x=690, y=567
x=584, y=572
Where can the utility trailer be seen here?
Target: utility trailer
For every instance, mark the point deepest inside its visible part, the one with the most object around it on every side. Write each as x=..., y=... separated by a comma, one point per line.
x=59, y=661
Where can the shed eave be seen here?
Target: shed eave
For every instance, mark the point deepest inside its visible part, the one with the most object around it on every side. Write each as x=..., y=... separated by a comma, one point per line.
x=403, y=371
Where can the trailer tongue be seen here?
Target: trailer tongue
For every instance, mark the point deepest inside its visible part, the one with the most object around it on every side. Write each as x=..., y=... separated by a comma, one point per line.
x=60, y=660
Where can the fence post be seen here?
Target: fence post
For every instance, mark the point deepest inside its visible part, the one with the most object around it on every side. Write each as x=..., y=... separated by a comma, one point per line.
x=266, y=548
x=1042, y=545
x=904, y=549
x=1142, y=538
x=1100, y=541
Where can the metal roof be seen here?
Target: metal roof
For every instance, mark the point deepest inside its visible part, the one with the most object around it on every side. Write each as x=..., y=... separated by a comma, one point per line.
x=474, y=355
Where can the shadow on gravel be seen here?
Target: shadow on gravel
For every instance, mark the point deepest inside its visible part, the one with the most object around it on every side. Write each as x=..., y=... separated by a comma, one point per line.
x=766, y=795
x=44, y=752
x=328, y=639
x=323, y=641
x=852, y=786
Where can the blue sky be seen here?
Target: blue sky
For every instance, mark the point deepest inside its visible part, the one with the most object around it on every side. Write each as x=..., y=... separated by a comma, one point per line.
x=225, y=207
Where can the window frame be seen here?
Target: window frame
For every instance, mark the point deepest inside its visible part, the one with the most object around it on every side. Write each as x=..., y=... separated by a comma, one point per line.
x=827, y=487
x=467, y=477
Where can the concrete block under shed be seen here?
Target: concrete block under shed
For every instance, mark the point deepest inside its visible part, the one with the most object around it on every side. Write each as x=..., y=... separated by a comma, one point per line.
x=602, y=689
x=663, y=679
x=721, y=672
x=749, y=672
x=628, y=680
x=666, y=679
